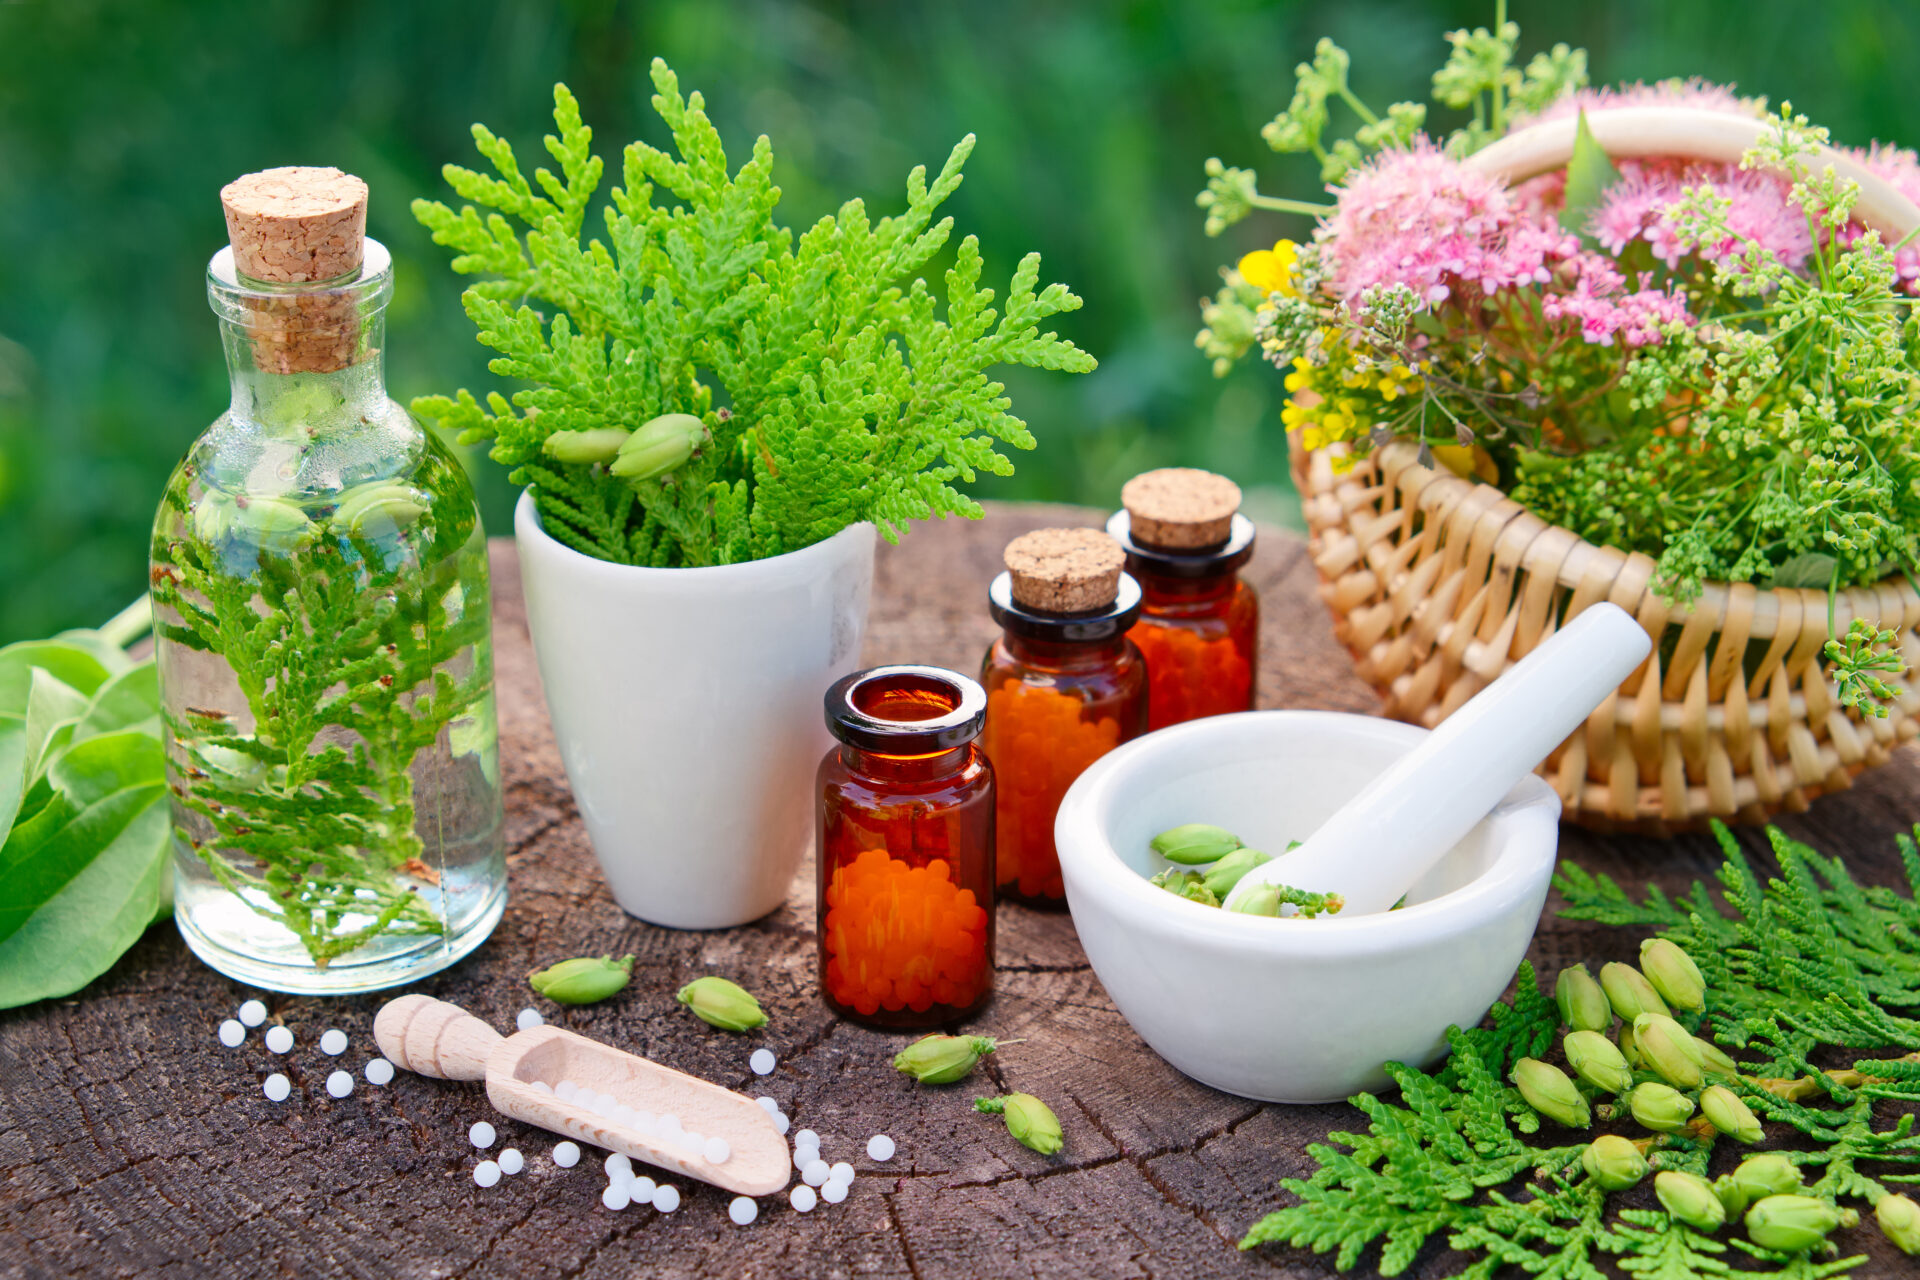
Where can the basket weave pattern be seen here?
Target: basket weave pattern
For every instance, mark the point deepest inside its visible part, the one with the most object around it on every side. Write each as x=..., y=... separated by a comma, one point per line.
x=1436, y=584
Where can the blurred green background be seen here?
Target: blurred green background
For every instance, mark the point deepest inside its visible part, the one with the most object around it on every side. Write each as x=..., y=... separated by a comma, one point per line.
x=119, y=123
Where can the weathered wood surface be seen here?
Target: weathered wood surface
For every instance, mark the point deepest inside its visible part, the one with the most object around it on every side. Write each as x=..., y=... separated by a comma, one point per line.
x=131, y=1143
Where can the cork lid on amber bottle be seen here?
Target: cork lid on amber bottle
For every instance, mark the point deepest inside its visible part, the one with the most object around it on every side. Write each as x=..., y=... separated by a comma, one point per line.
x=1065, y=570
x=299, y=226
x=1180, y=508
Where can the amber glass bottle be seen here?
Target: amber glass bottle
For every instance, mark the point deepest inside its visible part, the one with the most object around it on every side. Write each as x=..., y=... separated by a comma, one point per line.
x=905, y=849
x=1064, y=687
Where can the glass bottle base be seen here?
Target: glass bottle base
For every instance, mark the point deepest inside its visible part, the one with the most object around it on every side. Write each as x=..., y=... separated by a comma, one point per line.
x=386, y=963
x=931, y=1018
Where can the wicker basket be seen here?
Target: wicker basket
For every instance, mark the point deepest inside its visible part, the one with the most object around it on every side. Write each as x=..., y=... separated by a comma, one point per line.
x=1437, y=584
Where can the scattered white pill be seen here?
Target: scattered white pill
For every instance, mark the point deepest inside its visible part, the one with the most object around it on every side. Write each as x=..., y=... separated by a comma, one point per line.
x=543, y=1087
x=232, y=1033
x=834, y=1192
x=841, y=1172
x=743, y=1210
x=642, y=1190
x=481, y=1135
x=816, y=1172
x=486, y=1173
x=333, y=1043
x=279, y=1039
x=253, y=1013
x=511, y=1161
x=669, y=1127
x=379, y=1071
x=666, y=1199
x=615, y=1196
x=693, y=1142
x=277, y=1087
x=717, y=1150
x=566, y=1155
x=340, y=1084
x=807, y=1138
x=566, y=1091
x=804, y=1198
x=768, y=1105
x=529, y=1019
x=802, y=1157
x=619, y=1168
x=762, y=1062
x=880, y=1147
x=781, y=1123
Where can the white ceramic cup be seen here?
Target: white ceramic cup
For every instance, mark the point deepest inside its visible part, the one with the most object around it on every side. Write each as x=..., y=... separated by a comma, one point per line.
x=1290, y=1010
x=687, y=707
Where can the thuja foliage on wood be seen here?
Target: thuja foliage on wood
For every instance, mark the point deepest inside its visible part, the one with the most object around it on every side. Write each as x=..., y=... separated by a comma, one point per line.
x=845, y=394
x=339, y=632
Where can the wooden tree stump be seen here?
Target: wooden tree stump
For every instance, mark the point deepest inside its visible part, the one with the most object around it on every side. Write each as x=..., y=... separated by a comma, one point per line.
x=131, y=1143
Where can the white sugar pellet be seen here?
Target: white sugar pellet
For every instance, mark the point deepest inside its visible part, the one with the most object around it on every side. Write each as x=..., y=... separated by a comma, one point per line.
x=279, y=1039
x=666, y=1199
x=815, y=1173
x=232, y=1033
x=717, y=1150
x=481, y=1135
x=379, y=1071
x=511, y=1161
x=743, y=1210
x=841, y=1172
x=880, y=1147
x=807, y=1138
x=486, y=1173
x=566, y=1155
x=277, y=1088
x=762, y=1062
x=781, y=1123
x=693, y=1141
x=566, y=1091
x=619, y=1168
x=834, y=1192
x=333, y=1043
x=804, y=1198
x=529, y=1019
x=253, y=1013
x=768, y=1105
x=624, y=1115
x=646, y=1122
x=642, y=1190
x=615, y=1197
x=668, y=1127
x=340, y=1084
x=543, y=1086
x=605, y=1103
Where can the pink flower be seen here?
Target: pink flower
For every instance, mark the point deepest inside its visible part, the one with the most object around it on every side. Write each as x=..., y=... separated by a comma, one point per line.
x=1697, y=93
x=1599, y=304
x=1900, y=168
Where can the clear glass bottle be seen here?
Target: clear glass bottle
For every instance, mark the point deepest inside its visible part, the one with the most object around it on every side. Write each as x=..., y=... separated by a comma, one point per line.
x=1063, y=689
x=906, y=849
x=1199, y=625
x=319, y=576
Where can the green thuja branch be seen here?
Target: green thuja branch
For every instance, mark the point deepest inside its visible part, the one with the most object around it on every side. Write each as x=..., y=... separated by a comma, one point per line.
x=830, y=384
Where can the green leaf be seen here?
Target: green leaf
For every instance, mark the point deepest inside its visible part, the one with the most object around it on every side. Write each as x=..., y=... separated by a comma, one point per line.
x=71, y=664
x=81, y=878
x=54, y=707
x=1813, y=569
x=1589, y=174
x=128, y=701
x=13, y=767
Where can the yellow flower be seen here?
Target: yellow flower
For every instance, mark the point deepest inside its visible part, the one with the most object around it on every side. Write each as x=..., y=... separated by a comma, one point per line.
x=1271, y=270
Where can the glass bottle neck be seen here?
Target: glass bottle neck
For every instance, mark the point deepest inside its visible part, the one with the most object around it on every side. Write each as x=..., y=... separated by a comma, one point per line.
x=1059, y=655
x=884, y=767
x=269, y=395
x=1166, y=589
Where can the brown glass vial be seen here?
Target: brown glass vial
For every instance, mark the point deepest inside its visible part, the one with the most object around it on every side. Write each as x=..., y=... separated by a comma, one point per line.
x=905, y=849
x=1199, y=627
x=1064, y=687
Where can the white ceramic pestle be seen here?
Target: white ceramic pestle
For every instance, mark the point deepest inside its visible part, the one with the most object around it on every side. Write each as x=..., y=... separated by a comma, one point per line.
x=1381, y=842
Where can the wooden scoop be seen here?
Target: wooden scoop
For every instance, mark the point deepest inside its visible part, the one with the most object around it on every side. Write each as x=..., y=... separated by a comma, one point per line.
x=435, y=1038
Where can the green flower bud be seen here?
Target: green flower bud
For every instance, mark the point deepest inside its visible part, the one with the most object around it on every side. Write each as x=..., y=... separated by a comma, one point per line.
x=1770, y=1174
x=1726, y=1112
x=1667, y=1048
x=1629, y=992
x=1261, y=900
x=1594, y=1059
x=1690, y=1199
x=938, y=1059
x=1660, y=1108
x=1791, y=1224
x=1195, y=843
x=273, y=523
x=1198, y=892
x=582, y=981
x=1899, y=1219
x=213, y=516
x=1613, y=1162
x=660, y=445
x=1226, y=873
x=1629, y=1049
x=1714, y=1060
x=1733, y=1198
x=1030, y=1121
x=376, y=510
x=1673, y=974
x=1583, y=1005
x=722, y=1004
x=1548, y=1091
x=597, y=444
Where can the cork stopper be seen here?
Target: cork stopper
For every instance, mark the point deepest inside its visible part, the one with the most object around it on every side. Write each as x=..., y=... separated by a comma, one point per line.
x=1180, y=508
x=1065, y=570
x=297, y=224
